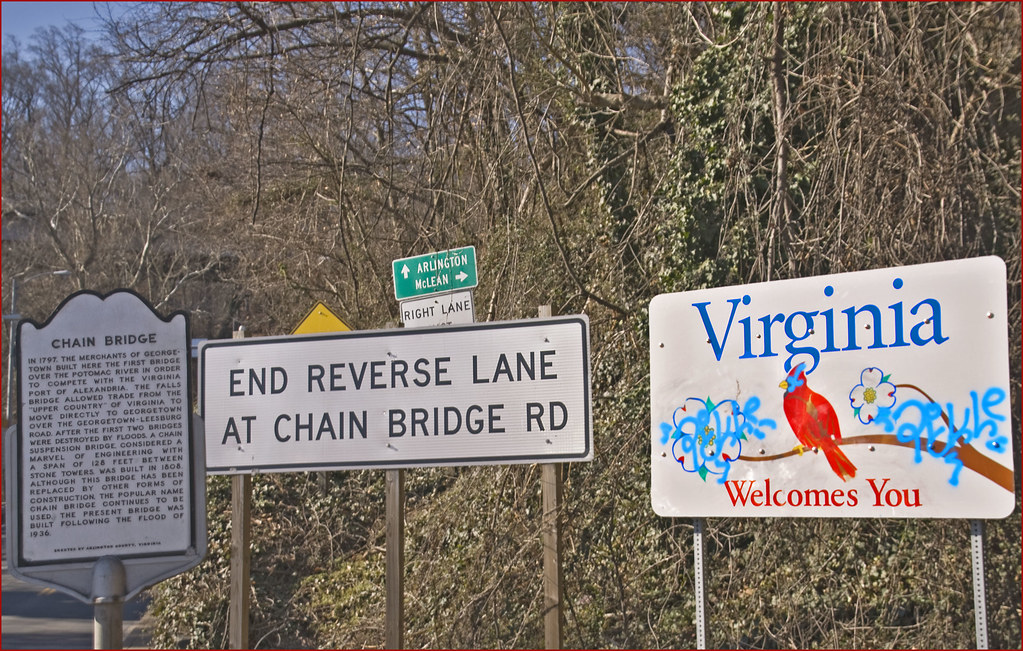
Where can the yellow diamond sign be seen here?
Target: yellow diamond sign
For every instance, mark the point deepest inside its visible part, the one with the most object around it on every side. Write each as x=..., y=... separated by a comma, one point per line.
x=320, y=319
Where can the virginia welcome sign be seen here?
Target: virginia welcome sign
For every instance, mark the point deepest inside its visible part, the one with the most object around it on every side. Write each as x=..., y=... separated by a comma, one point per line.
x=880, y=393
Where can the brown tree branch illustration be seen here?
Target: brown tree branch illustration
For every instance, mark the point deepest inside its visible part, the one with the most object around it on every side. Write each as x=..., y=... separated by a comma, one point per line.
x=971, y=458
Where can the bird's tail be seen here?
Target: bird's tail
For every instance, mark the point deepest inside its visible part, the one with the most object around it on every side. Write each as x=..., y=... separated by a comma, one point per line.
x=839, y=462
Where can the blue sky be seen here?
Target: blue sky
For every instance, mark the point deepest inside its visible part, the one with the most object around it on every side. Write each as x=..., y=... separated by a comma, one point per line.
x=21, y=19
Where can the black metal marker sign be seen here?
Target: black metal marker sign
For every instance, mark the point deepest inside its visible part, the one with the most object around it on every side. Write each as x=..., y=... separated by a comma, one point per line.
x=104, y=461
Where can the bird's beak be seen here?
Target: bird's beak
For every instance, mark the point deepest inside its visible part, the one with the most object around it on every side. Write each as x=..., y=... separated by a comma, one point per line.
x=784, y=385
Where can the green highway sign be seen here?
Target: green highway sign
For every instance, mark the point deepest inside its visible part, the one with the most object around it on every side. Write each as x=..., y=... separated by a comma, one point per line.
x=443, y=271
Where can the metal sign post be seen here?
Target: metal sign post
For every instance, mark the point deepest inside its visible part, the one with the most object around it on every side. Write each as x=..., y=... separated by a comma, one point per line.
x=108, y=588
x=979, y=593
x=699, y=551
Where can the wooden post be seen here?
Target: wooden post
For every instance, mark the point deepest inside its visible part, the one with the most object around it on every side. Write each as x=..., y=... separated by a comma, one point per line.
x=241, y=554
x=395, y=559
x=552, y=487
x=552, y=607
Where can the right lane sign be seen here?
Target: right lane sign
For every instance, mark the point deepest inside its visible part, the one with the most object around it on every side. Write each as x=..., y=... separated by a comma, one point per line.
x=451, y=308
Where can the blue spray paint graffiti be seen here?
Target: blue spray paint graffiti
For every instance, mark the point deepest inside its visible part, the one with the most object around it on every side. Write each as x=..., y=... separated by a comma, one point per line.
x=707, y=437
x=939, y=432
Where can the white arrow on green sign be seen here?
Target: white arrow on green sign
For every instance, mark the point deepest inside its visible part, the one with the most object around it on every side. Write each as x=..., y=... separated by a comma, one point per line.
x=443, y=271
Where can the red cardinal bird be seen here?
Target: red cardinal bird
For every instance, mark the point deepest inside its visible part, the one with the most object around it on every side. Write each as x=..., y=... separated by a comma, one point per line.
x=814, y=422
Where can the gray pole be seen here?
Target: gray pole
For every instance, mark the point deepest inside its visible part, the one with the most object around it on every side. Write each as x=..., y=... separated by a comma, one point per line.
x=699, y=550
x=979, y=593
x=108, y=587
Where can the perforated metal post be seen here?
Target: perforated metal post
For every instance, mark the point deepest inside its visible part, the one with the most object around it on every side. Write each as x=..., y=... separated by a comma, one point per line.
x=699, y=547
x=979, y=606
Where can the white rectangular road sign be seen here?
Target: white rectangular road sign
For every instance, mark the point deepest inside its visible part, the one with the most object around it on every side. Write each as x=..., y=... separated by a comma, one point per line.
x=488, y=393
x=879, y=393
x=452, y=308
